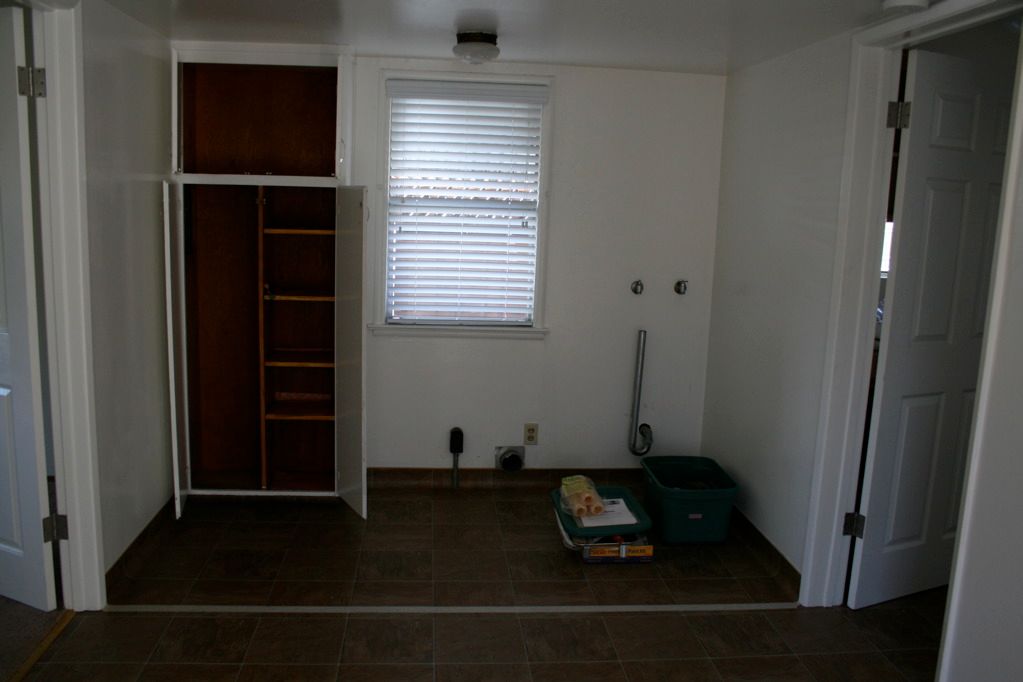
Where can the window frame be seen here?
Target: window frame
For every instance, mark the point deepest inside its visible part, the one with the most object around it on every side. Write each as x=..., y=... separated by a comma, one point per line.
x=381, y=326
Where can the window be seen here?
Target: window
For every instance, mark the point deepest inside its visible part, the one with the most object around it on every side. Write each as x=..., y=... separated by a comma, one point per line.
x=462, y=202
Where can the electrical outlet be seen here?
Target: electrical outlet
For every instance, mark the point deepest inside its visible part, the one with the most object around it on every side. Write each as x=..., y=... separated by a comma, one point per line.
x=530, y=433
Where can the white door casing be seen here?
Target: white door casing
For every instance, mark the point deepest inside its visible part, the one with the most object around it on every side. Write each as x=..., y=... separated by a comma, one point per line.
x=26, y=563
x=947, y=208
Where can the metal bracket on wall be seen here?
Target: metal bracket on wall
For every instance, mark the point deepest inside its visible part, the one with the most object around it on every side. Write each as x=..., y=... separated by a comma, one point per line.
x=637, y=287
x=681, y=287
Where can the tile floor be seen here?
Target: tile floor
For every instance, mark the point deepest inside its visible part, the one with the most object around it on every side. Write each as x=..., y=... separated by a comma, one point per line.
x=422, y=547
x=896, y=641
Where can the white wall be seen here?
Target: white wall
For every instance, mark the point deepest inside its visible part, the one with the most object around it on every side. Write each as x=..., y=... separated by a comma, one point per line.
x=127, y=124
x=983, y=621
x=781, y=170
x=634, y=168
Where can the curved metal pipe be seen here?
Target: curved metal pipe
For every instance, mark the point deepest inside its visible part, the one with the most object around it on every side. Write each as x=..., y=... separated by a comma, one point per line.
x=641, y=436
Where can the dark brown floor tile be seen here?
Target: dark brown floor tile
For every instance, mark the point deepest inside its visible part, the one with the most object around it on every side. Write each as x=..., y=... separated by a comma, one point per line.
x=311, y=592
x=743, y=562
x=647, y=571
x=230, y=592
x=653, y=636
x=111, y=638
x=329, y=512
x=305, y=639
x=184, y=533
x=205, y=640
x=556, y=564
x=930, y=604
x=531, y=536
x=896, y=628
x=397, y=536
x=770, y=590
x=608, y=671
x=691, y=670
x=382, y=481
x=396, y=565
x=313, y=563
x=858, y=667
x=763, y=669
x=270, y=511
x=405, y=639
x=448, y=536
x=252, y=535
x=915, y=664
x=819, y=631
x=392, y=593
x=337, y=537
x=84, y=672
x=737, y=634
x=200, y=508
x=170, y=563
x=288, y=673
x=474, y=593
x=535, y=510
x=478, y=639
x=465, y=512
x=483, y=672
x=199, y=672
x=458, y=564
x=553, y=593
x=567, y=638
x=143, y=591
x=623, y=592
x=243, y=564
x=708, y=591
x=411, y=511
x=689, y=561
x=389, y=672
x=524, y=484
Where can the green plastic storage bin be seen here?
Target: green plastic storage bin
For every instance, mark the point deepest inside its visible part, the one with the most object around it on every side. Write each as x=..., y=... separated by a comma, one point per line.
x=689, y=498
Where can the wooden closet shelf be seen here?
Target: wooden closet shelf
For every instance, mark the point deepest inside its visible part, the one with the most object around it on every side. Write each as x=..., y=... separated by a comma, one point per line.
x=299, y=231
x=300, y=358
x=315, y=298
x=300, y=410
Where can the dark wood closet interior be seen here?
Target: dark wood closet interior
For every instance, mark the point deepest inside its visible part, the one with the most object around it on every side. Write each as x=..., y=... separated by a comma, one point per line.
x=259, y=263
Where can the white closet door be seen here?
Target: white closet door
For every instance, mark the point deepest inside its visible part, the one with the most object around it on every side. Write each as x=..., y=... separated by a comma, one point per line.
x=349, y=421
x=174, y=293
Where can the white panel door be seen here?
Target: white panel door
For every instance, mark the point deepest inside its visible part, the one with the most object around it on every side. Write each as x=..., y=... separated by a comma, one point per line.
x=349, y=420
x=947, y=207
x=26, y=563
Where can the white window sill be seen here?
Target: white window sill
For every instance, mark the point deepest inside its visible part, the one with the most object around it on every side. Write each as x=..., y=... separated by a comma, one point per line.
x=459, y=331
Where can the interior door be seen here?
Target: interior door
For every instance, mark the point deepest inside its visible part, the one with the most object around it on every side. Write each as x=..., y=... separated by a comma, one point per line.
x=173, y=270
x=26, y=564
x=349, y=418
x=949, y=187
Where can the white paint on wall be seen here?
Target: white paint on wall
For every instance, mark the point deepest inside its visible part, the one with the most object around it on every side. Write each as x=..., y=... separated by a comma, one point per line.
x=781, y=169
x=127, y=124
x=634, y=167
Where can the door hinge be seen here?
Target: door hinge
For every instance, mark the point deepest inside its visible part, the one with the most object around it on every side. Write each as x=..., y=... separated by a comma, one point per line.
x=854, y=524
x=31, y=82
x=55, y=527
x=898, y=114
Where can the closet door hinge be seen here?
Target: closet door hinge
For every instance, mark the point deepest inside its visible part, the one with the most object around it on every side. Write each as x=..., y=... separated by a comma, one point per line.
x=854, y=524
x=55, y=527
x=31, y=82
x=898, y=114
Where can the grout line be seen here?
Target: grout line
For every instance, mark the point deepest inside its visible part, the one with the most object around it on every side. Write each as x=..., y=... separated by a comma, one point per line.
x=389, y=610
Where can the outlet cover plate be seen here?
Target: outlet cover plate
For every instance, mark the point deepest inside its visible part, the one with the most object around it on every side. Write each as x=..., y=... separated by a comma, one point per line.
x=530, y=433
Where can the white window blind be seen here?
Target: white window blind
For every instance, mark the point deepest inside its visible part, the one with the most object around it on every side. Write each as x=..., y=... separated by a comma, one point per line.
x=463, y=194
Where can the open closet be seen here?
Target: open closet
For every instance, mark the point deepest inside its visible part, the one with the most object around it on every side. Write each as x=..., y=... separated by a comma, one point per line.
x=264, y=265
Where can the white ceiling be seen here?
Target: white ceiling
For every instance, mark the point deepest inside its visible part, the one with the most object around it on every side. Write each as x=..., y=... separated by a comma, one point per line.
x=701, y=36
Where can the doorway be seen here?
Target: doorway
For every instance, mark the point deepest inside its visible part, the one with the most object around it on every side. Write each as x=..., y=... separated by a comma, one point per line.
x=931, y=313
